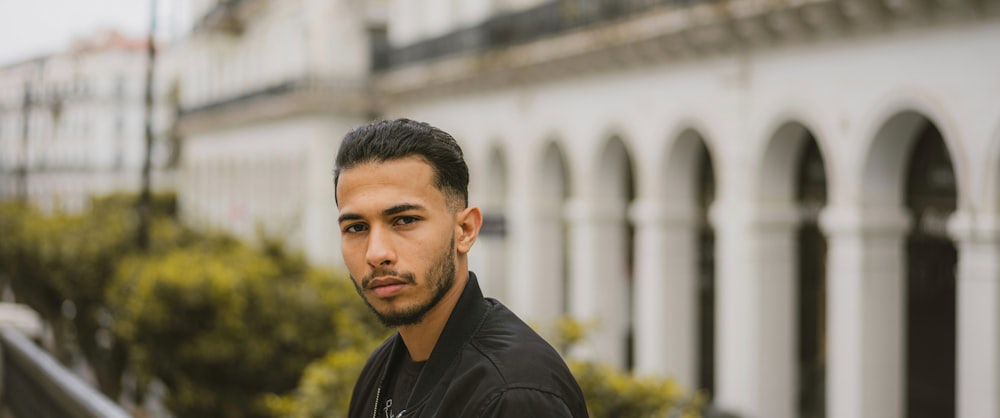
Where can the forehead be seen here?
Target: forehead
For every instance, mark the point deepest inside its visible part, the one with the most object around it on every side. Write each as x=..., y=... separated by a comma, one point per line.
x=408, y=178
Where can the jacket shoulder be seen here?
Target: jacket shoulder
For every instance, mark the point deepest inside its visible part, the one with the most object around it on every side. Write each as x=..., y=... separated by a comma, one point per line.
x=516, y=351
x=526, y=370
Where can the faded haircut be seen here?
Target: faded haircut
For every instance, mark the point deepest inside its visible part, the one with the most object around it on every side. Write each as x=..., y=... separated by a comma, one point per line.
x=389, y=140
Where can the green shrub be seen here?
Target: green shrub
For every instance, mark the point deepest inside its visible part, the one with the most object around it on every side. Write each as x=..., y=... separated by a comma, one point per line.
x=325, y=388
x=613, y=394
x=610, y=393
x=58, y=260
x=227, y=327
x=233, y=331
x=25, y=234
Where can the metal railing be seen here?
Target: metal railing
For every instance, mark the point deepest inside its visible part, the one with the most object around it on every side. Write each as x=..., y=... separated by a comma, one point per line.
x=289, y=86
x=220, y=16
x=508, y=29
x=35, y=385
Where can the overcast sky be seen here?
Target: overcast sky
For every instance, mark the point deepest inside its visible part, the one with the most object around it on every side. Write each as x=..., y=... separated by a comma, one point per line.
x=29, y=28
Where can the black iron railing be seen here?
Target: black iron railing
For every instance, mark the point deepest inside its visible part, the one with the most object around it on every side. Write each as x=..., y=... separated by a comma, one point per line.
x=272, y=90
x=514, y=28
x=294, y=85
x=35, y=385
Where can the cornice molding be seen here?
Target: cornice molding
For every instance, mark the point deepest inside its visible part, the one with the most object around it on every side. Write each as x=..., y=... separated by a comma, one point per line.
x=663, y=34
x=293, y=98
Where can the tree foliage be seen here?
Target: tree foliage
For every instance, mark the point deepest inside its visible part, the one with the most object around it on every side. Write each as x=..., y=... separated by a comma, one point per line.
x=325, y=388
x=611, y=393
x=232, y=330
x=60, y=264
x=226, y=326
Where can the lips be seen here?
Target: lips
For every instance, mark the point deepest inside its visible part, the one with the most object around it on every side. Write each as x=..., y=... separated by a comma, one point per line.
x=386, y=286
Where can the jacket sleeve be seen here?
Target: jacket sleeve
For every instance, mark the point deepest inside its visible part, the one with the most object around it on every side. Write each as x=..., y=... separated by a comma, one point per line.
x=525, y=402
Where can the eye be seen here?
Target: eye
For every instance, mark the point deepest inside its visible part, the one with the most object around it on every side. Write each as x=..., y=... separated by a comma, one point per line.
x=355, y=228
x=406, y=220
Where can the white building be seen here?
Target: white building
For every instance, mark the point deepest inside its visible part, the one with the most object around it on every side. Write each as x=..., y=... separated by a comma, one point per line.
x=267, y=90
x=793, y=205
x=74, y=122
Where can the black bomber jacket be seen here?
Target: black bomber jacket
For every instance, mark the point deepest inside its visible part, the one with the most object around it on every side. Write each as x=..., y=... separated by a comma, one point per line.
x=487, y=363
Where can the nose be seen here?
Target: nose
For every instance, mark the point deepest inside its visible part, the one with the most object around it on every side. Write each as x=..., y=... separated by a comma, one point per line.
x=381, y=252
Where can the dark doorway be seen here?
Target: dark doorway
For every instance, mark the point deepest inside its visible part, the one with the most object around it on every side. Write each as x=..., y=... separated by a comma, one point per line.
x=931, y=257
x=706, y=275
x=811, y=248
x=630, y=236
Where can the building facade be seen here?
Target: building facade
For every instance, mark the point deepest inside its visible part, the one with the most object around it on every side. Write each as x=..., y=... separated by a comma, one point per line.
x=267, y=89
x=72, y=124
x=793, y=205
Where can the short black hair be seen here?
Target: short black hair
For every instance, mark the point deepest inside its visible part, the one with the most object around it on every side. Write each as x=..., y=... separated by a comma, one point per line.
x=388, y=140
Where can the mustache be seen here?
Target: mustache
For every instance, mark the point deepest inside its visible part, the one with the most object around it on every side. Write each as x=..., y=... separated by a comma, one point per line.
x=409, y=278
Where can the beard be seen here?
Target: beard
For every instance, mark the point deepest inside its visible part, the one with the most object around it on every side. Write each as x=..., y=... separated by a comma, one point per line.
x=440, y=279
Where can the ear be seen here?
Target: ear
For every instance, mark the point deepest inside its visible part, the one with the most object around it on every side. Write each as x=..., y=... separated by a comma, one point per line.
x=467, y=224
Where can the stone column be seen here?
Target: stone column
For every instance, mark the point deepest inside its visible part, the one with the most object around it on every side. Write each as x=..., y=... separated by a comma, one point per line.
x=756, y=309
x=978, y=339
x=665, y=292
x=598, y=279
x=865, y=299
x=535, y=251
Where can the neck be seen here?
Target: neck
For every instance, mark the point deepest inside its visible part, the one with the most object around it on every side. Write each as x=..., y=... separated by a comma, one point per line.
x=420, y=338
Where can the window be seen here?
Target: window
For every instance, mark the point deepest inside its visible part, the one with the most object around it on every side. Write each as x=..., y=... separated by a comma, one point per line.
x=120, y=85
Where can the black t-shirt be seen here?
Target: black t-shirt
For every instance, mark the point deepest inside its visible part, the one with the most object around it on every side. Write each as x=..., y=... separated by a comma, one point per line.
x=401, y=385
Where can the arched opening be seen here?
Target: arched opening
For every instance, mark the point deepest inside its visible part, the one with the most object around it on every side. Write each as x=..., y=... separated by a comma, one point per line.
x=811, y=196
x=931, y=258
x=705, y=272
x=674, y=286
x=615, y=235
x=909, y=186
x=788, y=286
x=537, y=240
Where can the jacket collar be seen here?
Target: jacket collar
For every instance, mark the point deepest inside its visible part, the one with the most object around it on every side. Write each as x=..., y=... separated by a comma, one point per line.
x=465, y=319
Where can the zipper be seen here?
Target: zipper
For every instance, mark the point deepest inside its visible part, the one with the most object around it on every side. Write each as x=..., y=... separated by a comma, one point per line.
x=378, y=394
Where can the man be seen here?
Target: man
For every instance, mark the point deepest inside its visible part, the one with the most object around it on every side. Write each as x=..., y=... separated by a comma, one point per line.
x=406, y=231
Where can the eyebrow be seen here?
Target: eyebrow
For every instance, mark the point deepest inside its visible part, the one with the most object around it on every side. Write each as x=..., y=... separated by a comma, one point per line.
x=400, y=208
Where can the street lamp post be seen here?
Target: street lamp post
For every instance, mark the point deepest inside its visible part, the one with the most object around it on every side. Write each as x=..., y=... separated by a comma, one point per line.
x=22, y=172
x=145, y=199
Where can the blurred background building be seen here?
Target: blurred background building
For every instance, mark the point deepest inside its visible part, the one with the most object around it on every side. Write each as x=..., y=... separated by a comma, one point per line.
x=266, y=90
x=72, y=125
x=794, y=206
x=790, y=204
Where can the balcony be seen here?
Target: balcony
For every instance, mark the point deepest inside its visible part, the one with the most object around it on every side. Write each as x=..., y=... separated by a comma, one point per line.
x=567, y=38
x=226, y=16
x=293, y=95
x=510, y=29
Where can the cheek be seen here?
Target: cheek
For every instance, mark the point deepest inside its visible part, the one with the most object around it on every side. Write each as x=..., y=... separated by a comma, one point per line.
x=353, y=254
x=432, y=249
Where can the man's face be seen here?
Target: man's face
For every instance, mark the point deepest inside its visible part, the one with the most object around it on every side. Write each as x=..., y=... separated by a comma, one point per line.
x=397, y=237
